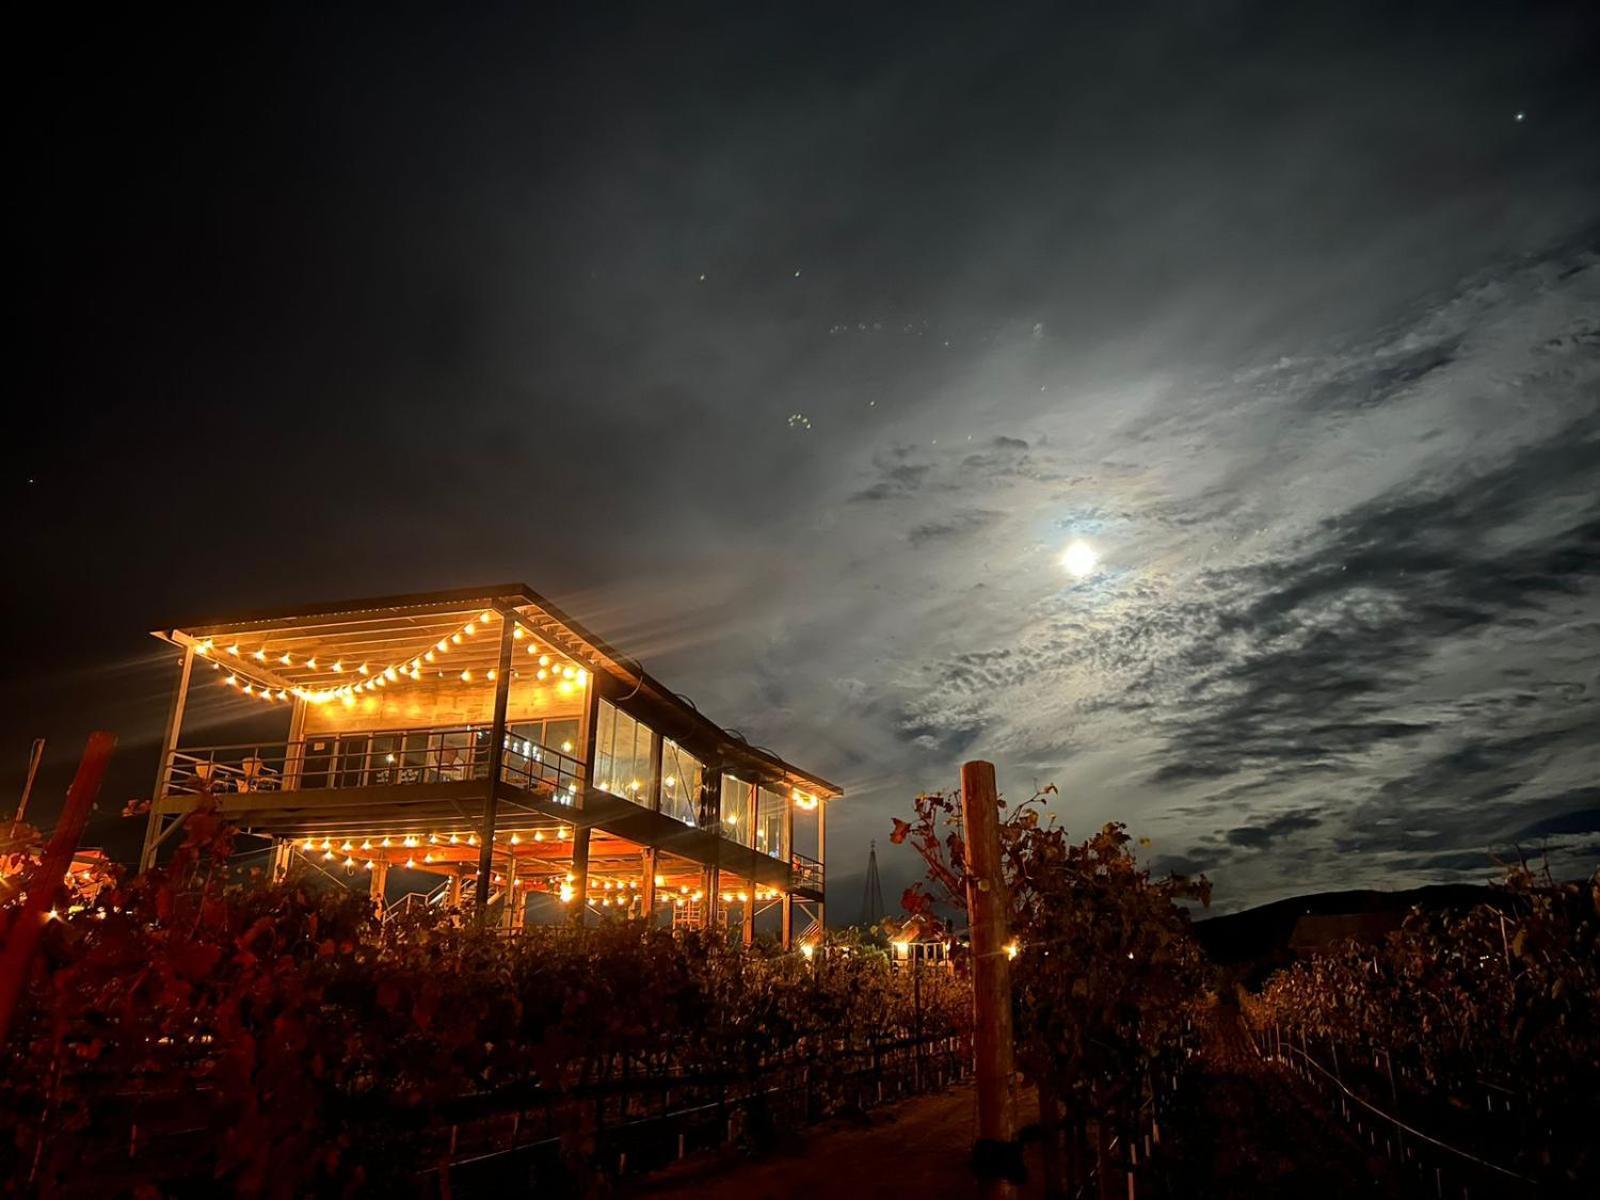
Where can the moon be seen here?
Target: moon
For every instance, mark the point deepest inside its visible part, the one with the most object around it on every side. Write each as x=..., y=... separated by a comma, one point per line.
x=1080, y=560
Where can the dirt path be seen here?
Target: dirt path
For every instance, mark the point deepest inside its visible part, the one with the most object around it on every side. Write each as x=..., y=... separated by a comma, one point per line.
x=916, y=1148
x=1240, y=1128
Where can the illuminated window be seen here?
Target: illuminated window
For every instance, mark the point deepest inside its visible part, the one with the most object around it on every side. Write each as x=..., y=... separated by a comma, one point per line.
x=622, y=755
x=681, y=778
x=770, y=809
x=736, y=809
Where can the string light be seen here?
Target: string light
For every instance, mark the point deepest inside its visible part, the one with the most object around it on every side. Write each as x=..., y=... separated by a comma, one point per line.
x=409, y=667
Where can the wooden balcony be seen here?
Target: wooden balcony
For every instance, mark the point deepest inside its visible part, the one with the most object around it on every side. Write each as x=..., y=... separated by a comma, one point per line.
x=415, y=783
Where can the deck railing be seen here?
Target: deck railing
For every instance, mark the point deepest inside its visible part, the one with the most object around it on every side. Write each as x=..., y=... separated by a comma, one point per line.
x=371, y=758
x=805, y=872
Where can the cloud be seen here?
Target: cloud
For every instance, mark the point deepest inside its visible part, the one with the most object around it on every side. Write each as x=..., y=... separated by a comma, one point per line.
x=1263, y=834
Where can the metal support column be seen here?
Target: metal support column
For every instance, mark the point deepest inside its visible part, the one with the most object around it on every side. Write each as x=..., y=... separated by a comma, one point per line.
x=169, y=743
x=497, y=751
x=788, y=855
x=576, y=915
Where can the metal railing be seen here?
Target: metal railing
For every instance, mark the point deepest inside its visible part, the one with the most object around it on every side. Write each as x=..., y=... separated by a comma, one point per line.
x=371, y=758
x=805, y=872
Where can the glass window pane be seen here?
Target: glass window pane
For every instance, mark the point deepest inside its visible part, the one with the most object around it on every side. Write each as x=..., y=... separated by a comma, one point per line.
x=770, y=811
x=736, y=809
x=622, y=755
x=682, y=776
x=385, y=756
x=352, y=759
x=562, y=736
x=414, y=758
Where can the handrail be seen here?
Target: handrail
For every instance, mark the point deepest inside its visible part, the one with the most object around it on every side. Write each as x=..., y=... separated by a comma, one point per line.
x=805, y=871
x=372, y=758
x=390, y=731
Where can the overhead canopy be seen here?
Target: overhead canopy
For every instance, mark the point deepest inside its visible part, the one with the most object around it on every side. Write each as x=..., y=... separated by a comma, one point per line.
x=314, y=651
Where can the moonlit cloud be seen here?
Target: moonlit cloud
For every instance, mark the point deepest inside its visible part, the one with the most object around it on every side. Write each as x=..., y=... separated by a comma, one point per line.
x=792, y=349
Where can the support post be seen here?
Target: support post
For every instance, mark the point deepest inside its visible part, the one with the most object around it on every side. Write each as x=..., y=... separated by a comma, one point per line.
x=169, y=743
x=295, y=753
x=655, y=770
x=996, y=1152
x=588, y=731
x=750, y=913
x=378, y=885
x=580, y=875
x=282, y=856
x=648, y=861
x=710, y=885
x=750, y=840
x=788, y=858
x=711, y=818
x=497, y=753
x=511, y=911
x=822, y=861
x=34, y=755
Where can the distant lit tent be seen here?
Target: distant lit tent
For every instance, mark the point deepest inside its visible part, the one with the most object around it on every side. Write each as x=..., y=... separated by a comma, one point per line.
x=919, y=939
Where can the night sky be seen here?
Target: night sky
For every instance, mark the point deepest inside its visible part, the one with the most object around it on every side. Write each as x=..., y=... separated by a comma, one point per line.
x=790, y=346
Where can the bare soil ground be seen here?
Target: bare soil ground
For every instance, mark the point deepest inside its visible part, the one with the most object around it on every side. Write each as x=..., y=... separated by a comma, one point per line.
x=917, y=1148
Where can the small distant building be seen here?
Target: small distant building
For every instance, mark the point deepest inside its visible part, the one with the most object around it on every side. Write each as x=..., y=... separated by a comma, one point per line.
x=919, y=940
x=487, y=739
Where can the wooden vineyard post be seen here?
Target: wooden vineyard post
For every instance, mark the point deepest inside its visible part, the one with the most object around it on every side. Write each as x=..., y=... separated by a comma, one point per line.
x=996, y=1154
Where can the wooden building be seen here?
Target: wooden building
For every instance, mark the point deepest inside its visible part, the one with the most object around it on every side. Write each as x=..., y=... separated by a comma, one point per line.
x=484, y=737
